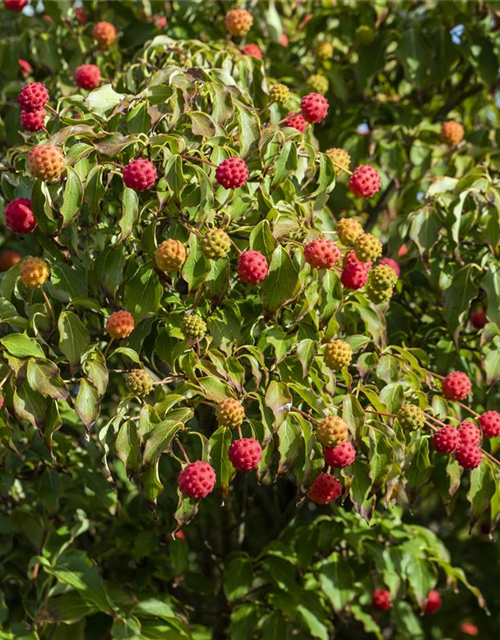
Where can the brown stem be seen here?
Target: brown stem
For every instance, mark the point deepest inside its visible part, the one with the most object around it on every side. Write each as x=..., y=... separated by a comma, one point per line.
x=49, y=307
x=240, y=432
x=306, y=415
x=339, y=166
x=464, y=406
x=108, y=347
x=5, y=379
x=195, y=159
x=52, y=110
x=179, y=443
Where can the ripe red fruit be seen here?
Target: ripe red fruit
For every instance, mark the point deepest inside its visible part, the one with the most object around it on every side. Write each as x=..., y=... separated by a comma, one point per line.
x=478, y=319
x=33, y=97
x=364, y=181
x=19, y=216
x=104, y=33
x=25, y=67
x=254, y=51
x=469, y=434
x=232, y=173
x=245, y=454
x=8, y=259
x=322, y=253
x=296, y=121
x=402, y=251
x=196, y=480
x=314, y=107
x=325, y=489
x=381, y=600
x=80, y=14
x=490, y=424
x=120, y=324
x=469, y=629
x=446, y=440
x=351, y=258
x=354, y=276
x=393, y=264
x=1, y=402
x=87, y=76
x=139, y=174
x=340, y=456
x=15, y=5
x=32, y=120
x=468, y=456
x=456, y=386
x=433, y=602
x=252, y=267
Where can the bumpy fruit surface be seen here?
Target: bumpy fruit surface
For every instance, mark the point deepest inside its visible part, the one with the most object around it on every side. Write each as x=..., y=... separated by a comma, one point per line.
x=170, y=256
x=381, y=600
x=340, y=456
x=230, y=413
x=478, y=319
x=8, y=259
x=232, y=173
x=338, y=354
x=433, y=602
x=46, y=162
x=379, y=295
x=296, y=121
x=411, y=417
x=87, y=76
x=252, y=267
x=325, y=489
x=342, y=160
x=104, y=33
x=468, y=456
x=367, y=247
x=33, y=272
x=140, y=382
x=469, y=434
x=490, y=424
x=33, y=97
x=193, y=327
x=446, y=440
x=254, y=51
x=280, y=94
x=120, y=324
x=197, y=480
x=318, y=83
x=238, y=22
x=383, y=277
x=324, y=50
x=32, y=120
x=215, y=244
x=457, y=386
x=452, y=132
x=389, y=262
x=15, y=5
x=351, y=258
x=354, y=276
x=364, y=34
x=19, y=216
x=364, y=181
x=332, y=431
x=314, y=107
x=245, y=454
x=322, y=253
x=139, y=174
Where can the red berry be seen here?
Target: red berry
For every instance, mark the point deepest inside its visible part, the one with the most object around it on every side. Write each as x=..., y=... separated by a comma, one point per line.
x=325, y=489
x=393, y=264
x=478, y=319
x=468, y=456
x=232, y=173
x=25, y=67
x=252, y=267
x=446, y=440
x=104, y=33
x=296, y=121
x=322, y=253
x=8, y=259
x=433, y=602
x=139, y=174
x=15, y=5
x=197, y=480
x=364, y=181
x=351, y=258
x=381, y=600
x=254, y=51
x=469, y=629
x=1, y=402
x=314, y=107
x=87, y=76
x=457, y=386
x=354, y=276
x=32, y=120
x=19, y=216
x=245, y=454
x=80, y=14
x=33, y=97
x=402, y=251
x=340, y=456
x=469, y=434
x=490, y=424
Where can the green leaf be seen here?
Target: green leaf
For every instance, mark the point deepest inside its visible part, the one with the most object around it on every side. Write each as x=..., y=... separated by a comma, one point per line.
x=159, y=440
x=337, y=582
x=279, y=400
x=22, y=346
x=458, y=296
x=219, y=446
x=282, y=283
x=44, y=377
x=102, y=100
x=73, y=336
x=130, y=212
x=72, y=197
x=238, y=576
x=143, y=293
x=87, y=403
x=414, y=53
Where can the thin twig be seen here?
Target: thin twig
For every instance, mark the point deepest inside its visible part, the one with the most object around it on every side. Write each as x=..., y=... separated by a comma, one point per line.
x=186, y=458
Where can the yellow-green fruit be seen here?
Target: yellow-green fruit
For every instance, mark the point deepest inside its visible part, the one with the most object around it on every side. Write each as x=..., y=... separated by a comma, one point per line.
x=379, y=295
x=348, y=231
x=33, y=272
x=215, y=244
x=332, y=431
x=170, y=256
x=324, y=50
x=230, y=413
x=140, y=382
x=318, y=83
x=338, y=354
x=364, y=34
x=279, y=94
x=411, y=417
x=193, y=327
x=382, y=277
x=340, y=158
x=368, y=248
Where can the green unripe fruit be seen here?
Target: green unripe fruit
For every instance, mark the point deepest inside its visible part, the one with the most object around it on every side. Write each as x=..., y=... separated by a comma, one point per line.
x=341, y=159
x=383, y=277
x=368, y=248
x=140, y=382
x=230, y=413
x=348, y=231
x=318, y=83
x=411, y=417
x=338, y=354
x=215, y=244
x=364, y=34
x=379, y=295
x=324, y=50
x=193, y=327
x=279, y=94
